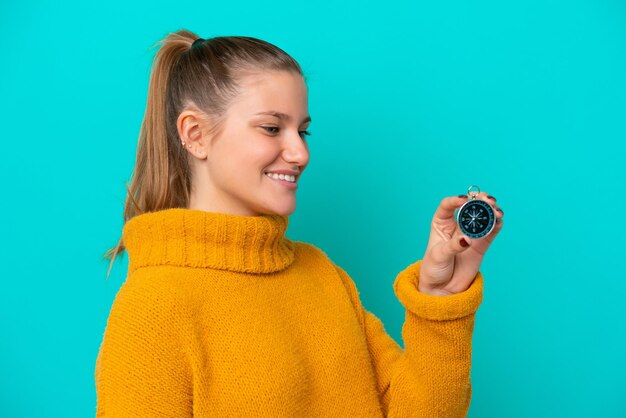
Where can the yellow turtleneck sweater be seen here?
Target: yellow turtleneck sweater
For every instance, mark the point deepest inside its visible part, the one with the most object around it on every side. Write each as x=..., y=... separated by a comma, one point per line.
x=224, y=316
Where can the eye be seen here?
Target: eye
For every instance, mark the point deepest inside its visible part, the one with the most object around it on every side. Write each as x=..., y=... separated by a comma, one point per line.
x=268, y=128
x=271, y=130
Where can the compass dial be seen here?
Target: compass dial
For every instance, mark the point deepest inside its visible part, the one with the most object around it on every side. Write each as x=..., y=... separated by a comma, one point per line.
x=476, y=218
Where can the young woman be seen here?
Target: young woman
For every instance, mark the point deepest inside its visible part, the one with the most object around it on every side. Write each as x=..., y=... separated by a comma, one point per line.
x=223, y=315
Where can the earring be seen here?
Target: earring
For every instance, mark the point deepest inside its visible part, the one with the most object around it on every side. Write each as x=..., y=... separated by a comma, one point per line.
x=183, y=142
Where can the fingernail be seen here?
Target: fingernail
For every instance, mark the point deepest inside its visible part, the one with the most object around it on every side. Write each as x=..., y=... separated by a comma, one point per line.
x=462, y=195
x=463, y=243
x=491, y=197
x=500, y=210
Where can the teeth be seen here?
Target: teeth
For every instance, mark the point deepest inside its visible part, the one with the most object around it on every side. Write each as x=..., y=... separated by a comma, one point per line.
x=285, y=177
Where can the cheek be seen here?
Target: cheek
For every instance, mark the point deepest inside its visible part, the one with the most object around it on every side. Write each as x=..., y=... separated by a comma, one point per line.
x=237, y=162
x=260, y=157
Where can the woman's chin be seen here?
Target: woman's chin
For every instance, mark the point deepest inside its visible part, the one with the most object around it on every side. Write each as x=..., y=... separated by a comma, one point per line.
x=284, y=209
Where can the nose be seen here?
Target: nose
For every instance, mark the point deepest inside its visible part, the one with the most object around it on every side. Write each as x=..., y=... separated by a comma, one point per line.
x=296, y=150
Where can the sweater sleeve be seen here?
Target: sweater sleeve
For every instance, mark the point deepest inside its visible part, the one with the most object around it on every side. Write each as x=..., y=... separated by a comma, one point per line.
x=430, y=377
x=141, y=368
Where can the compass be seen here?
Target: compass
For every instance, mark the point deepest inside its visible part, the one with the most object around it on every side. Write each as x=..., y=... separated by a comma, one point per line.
x=475, y=218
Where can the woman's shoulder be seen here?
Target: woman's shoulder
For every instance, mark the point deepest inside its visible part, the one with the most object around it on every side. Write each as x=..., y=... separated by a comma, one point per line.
x=163, y=290
x=307, y=249
x=148, y=299
x=157, y=280
x=317, y=259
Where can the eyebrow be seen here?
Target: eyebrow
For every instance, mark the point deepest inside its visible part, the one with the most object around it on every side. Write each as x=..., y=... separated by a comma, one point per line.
x=282, y=115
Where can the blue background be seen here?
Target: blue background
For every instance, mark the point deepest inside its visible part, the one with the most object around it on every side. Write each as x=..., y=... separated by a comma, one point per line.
x=410, y=102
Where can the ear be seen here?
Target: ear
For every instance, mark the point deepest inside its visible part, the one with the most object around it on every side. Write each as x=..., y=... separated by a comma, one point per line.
x=192, y=132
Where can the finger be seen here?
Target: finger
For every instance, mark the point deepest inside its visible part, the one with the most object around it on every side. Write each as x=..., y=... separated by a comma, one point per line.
x=455, y=245
x=445, y=252
x=497, y=227
x=499, y=214
x=487, y=198
x=458, y=244
x=448, y=205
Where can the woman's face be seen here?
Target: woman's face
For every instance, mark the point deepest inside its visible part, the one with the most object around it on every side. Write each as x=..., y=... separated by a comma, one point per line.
x=253, y=142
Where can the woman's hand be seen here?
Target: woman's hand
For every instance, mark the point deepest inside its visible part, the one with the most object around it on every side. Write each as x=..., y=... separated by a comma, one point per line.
x=447, y=266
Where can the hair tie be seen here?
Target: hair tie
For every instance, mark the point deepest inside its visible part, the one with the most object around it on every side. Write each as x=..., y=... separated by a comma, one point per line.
x=197, y=41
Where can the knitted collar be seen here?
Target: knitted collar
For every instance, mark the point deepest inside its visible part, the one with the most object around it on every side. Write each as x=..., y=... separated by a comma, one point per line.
x=194, y=238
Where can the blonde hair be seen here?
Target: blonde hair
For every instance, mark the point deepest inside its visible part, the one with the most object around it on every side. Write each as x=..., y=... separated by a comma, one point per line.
x=184, y=74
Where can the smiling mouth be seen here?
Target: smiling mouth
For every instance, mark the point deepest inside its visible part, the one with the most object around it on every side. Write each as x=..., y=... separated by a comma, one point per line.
x=283, y=177
x=288, y=184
